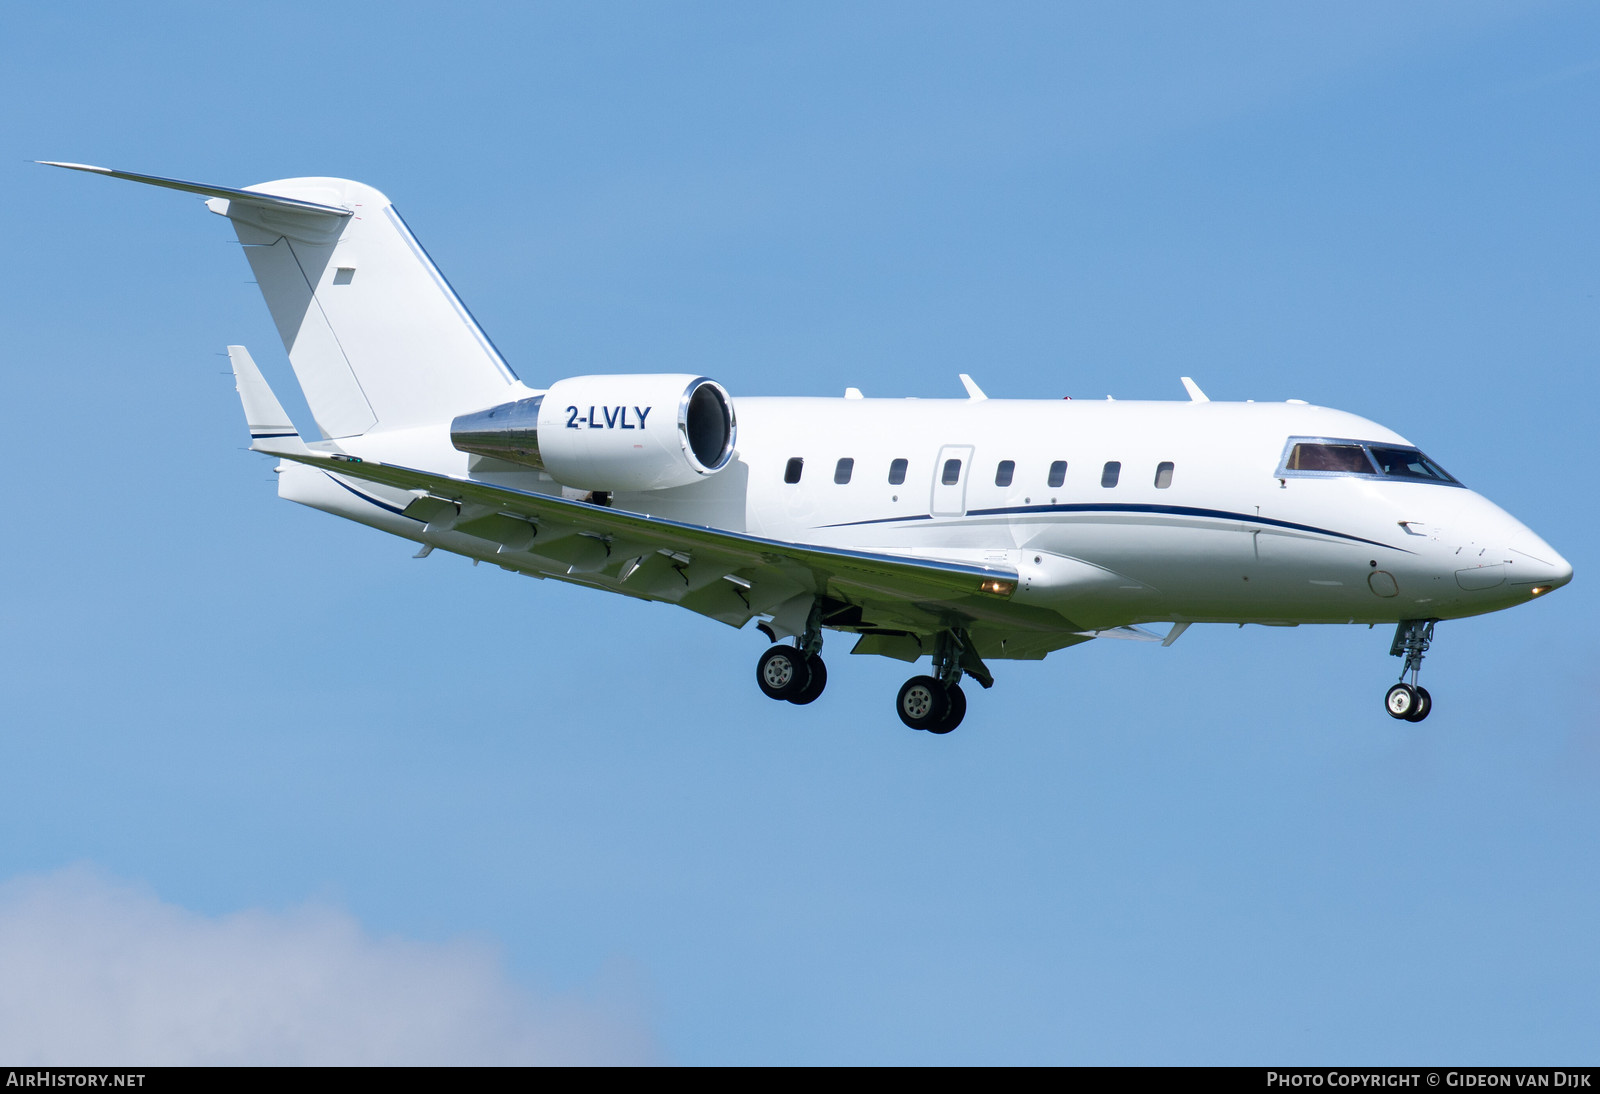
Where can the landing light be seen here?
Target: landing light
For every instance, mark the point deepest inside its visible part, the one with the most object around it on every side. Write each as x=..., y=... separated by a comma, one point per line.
x=998, y=586
x=1539, y=590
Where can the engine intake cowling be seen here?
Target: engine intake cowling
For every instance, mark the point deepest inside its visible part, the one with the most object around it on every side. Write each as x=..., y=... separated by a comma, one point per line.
x=610, y=432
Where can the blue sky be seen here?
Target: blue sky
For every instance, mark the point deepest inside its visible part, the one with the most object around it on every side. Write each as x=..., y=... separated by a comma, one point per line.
x=243, y=737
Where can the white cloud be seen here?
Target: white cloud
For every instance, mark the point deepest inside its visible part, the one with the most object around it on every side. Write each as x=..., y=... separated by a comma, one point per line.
x=98, y=972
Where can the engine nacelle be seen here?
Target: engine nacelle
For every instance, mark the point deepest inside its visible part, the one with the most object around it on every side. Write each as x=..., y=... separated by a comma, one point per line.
x=610, y=432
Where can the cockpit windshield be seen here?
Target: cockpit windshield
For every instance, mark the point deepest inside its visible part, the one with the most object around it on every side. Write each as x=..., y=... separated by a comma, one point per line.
x=1320, y=457
x=1408, y=463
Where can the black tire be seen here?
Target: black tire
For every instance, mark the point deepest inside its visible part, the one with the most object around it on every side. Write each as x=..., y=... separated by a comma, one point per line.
x=922, y=702
x=1402, y=701
x=782, y=671
x=1424, y=705
x=813, y=688
x=957, y=711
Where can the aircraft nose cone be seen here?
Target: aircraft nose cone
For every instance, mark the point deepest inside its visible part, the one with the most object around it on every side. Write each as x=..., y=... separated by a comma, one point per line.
x=1537, y=564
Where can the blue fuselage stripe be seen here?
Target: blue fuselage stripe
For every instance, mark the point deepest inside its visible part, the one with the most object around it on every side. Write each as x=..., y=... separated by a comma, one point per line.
x=1159, y=510
x=370, y=498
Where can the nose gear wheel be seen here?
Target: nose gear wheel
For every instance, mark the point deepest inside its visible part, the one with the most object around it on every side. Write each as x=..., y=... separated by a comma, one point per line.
x=1408, y=700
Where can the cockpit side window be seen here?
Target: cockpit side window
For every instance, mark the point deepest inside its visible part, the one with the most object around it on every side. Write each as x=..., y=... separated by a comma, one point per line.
x=1322, y=457
x=1349, y=458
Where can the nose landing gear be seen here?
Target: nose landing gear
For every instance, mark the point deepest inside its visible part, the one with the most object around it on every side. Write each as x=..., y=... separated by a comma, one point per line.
x=1410, y=701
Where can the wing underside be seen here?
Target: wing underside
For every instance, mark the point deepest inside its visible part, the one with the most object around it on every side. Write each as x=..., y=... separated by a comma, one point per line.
x=895, y=603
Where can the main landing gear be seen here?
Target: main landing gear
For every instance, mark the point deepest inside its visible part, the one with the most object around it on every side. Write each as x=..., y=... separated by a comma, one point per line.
x=786, y=672
x=1410, y=701
x=795, y=673
x=936, y=703
x=924, y=703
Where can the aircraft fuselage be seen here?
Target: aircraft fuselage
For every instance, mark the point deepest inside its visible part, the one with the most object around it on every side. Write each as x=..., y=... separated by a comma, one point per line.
x=1199, y=521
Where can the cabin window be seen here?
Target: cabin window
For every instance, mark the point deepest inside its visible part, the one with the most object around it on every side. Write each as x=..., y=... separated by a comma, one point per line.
x=791, y=472
x=1003, y=473
x=842, y=470
x=1163, y=474
x=897, y=472
x=952, y=472
x=1111, y=473
x=1058, y=472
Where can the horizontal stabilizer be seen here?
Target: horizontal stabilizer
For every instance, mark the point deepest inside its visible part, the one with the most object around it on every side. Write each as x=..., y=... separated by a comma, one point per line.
x=249, y=197
x=270, y=427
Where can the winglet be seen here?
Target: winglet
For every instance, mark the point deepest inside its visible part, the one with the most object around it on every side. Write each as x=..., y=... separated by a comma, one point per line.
x=1195, y=394
x=973, y=390
x=270, y=428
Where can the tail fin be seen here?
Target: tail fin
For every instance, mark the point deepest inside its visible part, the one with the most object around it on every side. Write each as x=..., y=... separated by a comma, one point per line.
x=377, y=337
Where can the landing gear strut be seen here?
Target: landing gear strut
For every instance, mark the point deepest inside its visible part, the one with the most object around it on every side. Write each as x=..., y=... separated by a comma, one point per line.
x=936, y=703
x=795, y=673
x=1410, y=701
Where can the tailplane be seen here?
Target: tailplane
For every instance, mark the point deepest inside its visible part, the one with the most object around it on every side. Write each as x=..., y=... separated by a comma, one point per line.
x=377, y=337
x=270, y=427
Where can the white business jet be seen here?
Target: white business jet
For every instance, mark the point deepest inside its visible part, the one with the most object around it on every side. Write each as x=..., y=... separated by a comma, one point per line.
x=971, y=531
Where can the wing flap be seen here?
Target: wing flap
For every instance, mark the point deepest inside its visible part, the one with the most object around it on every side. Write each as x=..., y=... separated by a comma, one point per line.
x=689, y=563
